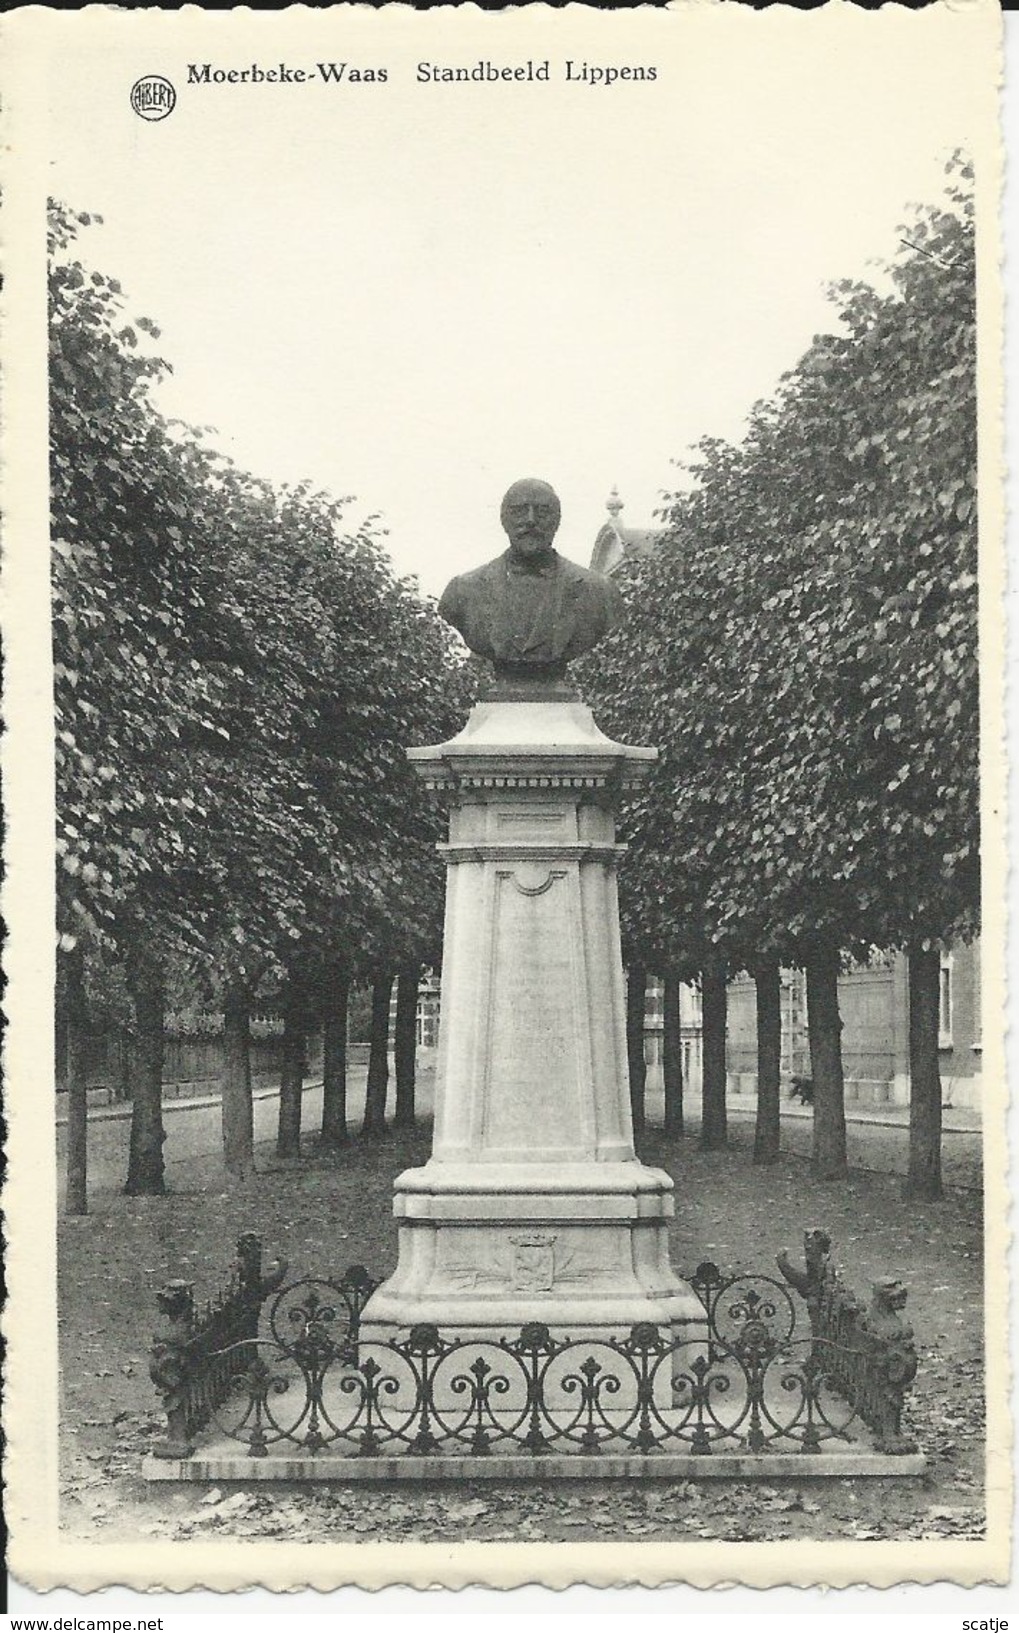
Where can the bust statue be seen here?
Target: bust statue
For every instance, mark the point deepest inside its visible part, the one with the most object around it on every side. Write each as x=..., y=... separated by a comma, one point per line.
x=531, y=611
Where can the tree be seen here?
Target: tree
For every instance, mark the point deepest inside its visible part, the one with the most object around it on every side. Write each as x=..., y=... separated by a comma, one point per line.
x=802, y=646
x=236, y=1108
x=145, y=1172
x=123, y=686
x=636, y=1007
x=672, y=1053
x=923, y=1177
x=76, y=1011
x=237, y=676
x=824, y=1028
x=288, y=1137
x=125, y=560
x=714, y=1129
x=768, y=986
x=335, y=1005
x=408, y=983
x=374, y=1124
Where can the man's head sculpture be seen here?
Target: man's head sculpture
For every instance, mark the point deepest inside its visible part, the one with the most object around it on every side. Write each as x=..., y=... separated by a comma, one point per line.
x=530, y=610
x=530, y=513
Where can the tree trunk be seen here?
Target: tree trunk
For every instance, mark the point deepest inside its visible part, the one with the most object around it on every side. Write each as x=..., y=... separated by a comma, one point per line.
x=288, y=1136
x=123, y=1071
x=636, y=990
x=672, y=1055
x=145, y=1160
x=714, y=1129
x=236, y=1108
x=76, y=1197
x=405, y=1037
x=923, y=1176
x=824, y=1029
x=768, y=981
x=374, y=1124
x=334, y=1058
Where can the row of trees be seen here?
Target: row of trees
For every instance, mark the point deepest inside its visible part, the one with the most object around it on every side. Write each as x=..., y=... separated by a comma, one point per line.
x=237, y=673
x=802, y=646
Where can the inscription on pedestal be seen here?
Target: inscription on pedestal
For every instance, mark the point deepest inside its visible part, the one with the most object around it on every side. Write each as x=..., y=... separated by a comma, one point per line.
x=533, y=1047
x=531, y=816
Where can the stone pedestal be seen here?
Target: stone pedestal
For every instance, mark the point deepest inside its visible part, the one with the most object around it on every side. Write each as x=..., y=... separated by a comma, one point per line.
x=533, y=1206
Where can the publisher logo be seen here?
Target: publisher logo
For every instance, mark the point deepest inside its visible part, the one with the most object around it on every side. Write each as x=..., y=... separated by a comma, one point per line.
x=153, y=97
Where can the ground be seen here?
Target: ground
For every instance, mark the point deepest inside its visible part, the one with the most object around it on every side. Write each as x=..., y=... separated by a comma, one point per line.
x=323, y=1213
x=876, y=1136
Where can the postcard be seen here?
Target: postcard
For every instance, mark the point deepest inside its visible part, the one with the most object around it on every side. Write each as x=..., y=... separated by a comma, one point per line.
x=504, y=609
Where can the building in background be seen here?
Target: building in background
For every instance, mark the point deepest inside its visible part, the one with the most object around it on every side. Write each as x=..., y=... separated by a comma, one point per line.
x=689, y=1029
x=874, y=1006
x=616, y=542
x=428, y=1011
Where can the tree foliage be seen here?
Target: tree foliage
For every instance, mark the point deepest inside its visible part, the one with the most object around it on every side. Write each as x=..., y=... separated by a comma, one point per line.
x=802, y=645
x=237, y=676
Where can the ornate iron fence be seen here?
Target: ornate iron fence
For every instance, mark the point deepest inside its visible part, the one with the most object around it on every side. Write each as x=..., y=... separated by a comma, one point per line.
x=871, y=1352
x=747, y=1380
x=195, y=1361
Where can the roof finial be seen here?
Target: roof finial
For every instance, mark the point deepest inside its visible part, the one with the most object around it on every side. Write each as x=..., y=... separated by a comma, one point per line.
x=613, y=503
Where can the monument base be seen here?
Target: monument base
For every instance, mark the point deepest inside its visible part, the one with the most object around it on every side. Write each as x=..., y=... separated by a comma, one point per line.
x=486, y=1247
x=533, y=1207
x=220, y=1460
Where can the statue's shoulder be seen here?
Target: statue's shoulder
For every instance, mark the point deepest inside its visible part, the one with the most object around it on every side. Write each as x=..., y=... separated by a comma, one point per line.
x=596, y=583
x=468, y=590
x=580, y=575
x=488, y=573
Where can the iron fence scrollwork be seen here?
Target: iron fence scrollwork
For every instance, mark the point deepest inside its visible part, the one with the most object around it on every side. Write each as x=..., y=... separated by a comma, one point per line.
x=868, y=1353
x=747, y=1379
x=195, y=1359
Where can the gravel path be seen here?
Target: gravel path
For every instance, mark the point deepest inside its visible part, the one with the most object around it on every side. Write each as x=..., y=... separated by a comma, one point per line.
x=193, y=1131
